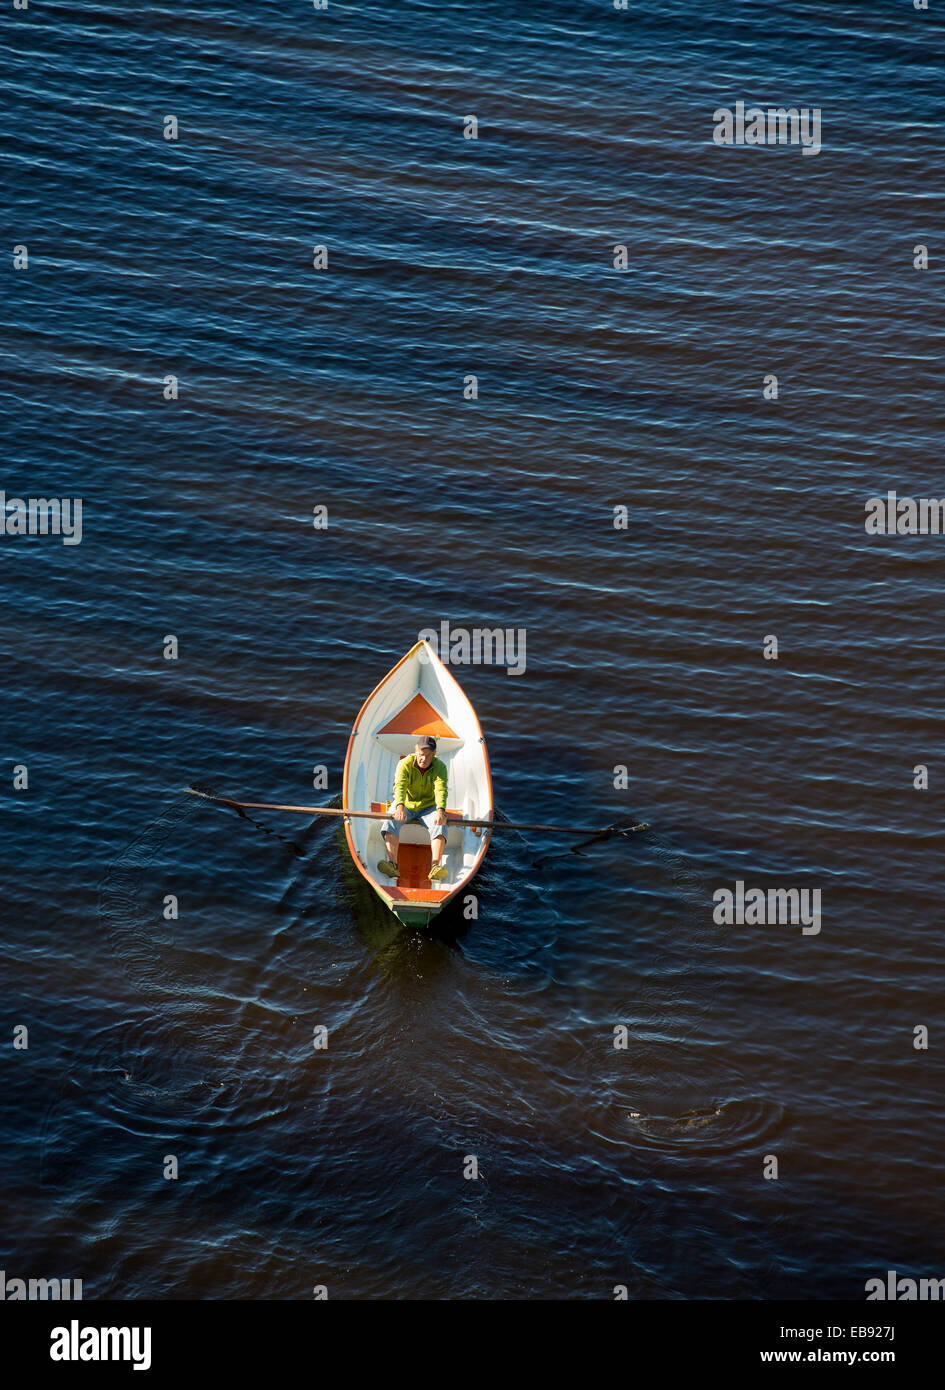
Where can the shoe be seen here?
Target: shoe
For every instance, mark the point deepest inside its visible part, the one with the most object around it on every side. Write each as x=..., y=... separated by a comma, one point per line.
x=439, y=871
x=386, y=867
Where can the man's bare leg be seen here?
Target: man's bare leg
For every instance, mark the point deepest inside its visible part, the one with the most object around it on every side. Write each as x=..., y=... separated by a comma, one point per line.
x=392, y=845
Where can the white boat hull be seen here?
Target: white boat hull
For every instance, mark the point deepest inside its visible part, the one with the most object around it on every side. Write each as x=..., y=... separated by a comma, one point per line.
x=420, y=695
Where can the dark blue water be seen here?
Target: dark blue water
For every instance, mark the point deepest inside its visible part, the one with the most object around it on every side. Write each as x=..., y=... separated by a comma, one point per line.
x=343, y=387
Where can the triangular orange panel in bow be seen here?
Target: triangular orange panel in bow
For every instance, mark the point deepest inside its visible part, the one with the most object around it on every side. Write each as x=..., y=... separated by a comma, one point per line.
x=419, y=717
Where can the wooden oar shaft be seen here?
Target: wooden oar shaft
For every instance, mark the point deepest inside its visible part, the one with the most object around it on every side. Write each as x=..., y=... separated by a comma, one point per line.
x=385, y=815
x=279, y=806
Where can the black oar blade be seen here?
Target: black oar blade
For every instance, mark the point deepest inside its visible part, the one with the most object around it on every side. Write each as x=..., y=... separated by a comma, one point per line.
x=627, y=826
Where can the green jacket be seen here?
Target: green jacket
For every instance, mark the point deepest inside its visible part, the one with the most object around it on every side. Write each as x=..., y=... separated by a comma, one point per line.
x=418, y=790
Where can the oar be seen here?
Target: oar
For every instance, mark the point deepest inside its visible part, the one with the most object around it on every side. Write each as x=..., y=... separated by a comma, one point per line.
x=616, y=829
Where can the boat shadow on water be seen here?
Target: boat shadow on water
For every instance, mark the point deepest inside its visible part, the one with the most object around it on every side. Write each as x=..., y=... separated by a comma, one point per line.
x=390, y=940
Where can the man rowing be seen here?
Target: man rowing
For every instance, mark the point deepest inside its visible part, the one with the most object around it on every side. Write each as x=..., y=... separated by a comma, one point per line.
x=421, y=783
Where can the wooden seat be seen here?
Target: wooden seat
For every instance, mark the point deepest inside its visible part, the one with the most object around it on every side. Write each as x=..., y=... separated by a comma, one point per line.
x=416, y=718
x=413, y=861
x=418, y=895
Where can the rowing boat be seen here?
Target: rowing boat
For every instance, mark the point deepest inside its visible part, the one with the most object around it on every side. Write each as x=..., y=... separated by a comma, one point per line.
x=419, y=696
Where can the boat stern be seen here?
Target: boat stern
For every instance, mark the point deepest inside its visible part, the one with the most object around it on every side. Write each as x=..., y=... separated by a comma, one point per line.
x=415, y=907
